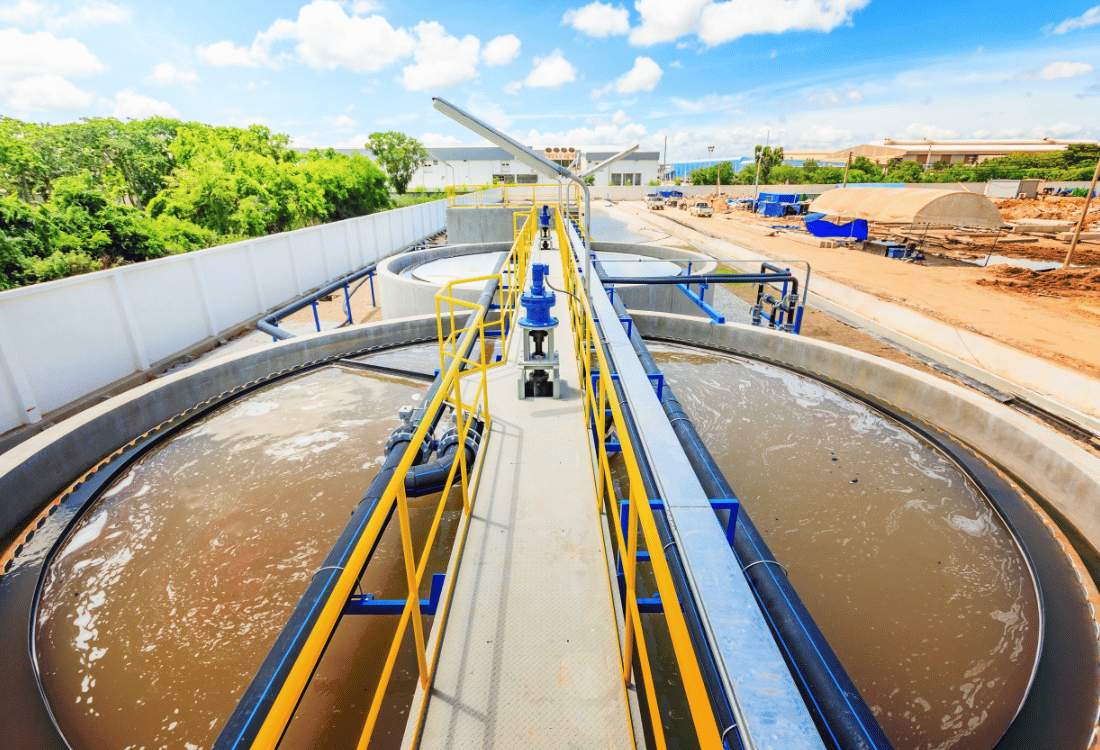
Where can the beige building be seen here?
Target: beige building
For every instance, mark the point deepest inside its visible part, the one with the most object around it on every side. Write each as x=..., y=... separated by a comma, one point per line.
x=930, y=151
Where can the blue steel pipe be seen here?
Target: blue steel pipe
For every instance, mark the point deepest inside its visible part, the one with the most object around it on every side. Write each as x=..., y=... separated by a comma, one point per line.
x=845, y=721
x=269, y=324
x=716, y=316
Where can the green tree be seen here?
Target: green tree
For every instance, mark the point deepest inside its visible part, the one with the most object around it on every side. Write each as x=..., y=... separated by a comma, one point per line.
x=767, y=157
x=399, y=155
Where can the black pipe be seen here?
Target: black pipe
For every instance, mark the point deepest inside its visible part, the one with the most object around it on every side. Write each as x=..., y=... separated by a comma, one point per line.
x=428, y=478
x=252, y=710
x=710, y=278
x=837, y=707
x=268, y=323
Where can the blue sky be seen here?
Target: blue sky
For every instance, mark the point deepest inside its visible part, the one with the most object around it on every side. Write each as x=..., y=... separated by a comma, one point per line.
x=815, y=74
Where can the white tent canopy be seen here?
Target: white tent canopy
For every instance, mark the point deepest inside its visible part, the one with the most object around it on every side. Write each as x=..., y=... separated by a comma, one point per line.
x=913, y=206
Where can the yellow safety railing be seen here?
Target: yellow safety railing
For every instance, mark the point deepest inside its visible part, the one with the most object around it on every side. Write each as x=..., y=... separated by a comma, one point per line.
x=469, y=409
x=512, y=195
x=596, y=382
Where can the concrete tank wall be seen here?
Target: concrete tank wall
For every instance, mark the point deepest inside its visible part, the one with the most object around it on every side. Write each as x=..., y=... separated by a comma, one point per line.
x=40, y=468
x=470, y=225
x=404, y=296
x=1065, y=475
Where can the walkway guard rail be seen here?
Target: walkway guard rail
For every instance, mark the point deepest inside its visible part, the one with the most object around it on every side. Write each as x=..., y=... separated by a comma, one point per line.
x=262, y=724
x=467, y=413
x=512, y=196
x=596, y=383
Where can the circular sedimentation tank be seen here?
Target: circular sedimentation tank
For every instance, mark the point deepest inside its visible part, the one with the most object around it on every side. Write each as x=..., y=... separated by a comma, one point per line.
x=169, y=581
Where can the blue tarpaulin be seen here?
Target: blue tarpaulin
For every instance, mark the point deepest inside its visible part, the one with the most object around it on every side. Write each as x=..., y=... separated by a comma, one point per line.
x=819, y=227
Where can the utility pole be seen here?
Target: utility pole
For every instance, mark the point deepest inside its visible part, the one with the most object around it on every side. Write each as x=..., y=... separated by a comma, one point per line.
x=848, y=164
x=756, y=184
x=1084, y=213
x=664, y=177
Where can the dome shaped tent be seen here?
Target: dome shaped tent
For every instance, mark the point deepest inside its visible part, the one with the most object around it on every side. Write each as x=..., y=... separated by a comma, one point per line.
x=912, y=206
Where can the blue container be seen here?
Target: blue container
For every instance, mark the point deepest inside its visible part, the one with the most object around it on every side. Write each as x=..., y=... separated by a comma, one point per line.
x=896, y=252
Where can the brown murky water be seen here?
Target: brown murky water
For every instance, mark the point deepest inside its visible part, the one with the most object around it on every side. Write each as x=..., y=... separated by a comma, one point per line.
x=912, y=577
x=166, y=598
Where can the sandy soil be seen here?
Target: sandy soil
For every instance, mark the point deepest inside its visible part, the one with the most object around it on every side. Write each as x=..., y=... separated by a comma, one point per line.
x=1062, y=328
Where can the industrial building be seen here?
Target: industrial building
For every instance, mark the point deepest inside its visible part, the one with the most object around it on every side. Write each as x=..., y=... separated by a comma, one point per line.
x=929, y=151
x=487, y=165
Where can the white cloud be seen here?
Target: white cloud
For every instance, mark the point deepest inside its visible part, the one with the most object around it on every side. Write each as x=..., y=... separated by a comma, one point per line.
x=435, y=139
x=644, y=76
x=359, y=7
x=620, y=117
x=91, y=14
x=501, y=50
x=441, y=60
x=34, y=67
x=327, y=38
x=709, y=103
x=773, y=54
x=47, y=93
x=166, y=73
x=675, y=64
x=488, y=110
x=916, y=130
x=226, y=53
x=343, y=121
x=717, y=22
x=607, y=134
x=131, y=105
x=825, y=136
x=1090, y=17
x=513, y=87
x=1064, y=70
x=358, y=141
x=24, y=11
x=306, y=141
x=827, y=97
x=598, y=19
x=550, y=72
x=1061, y=129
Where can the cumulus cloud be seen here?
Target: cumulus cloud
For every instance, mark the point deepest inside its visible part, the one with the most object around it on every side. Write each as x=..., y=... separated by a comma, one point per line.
x=1062, y=129
x=709, y=103
x=1064, y=70
x=825, y=136
x=327, y=38
x=435, y=139
x=917, y=130
x=47, y=93
x=225, y=53
x=626, y=134
x=598, y=19
x=34, y=69
x=92, y=14
x=675, y=64
x=166, y=73
x=644, y=76
x=25, y=11
x=719, y=22
x=1090, y=17
x=131, y=105
x=441, y=60
x=550, y=72
x=501, y=50
x=343, y=121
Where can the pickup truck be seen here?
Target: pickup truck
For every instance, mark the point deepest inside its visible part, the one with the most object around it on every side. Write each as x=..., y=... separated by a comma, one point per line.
x=701, y=209
x=654, y=202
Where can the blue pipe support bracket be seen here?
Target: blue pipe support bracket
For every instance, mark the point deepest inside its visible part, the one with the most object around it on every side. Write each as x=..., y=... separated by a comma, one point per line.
x=538, y=300
x=703, y=305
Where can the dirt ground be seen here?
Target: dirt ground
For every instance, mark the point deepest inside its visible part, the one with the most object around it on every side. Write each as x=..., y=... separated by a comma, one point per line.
x=1058, y=323
x=1047, y=207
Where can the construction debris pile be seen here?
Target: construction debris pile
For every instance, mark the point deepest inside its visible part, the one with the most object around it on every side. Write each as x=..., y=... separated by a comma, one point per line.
x=1067, y=282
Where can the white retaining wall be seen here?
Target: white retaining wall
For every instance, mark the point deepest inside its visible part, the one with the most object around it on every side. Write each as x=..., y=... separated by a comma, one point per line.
x=63, y=340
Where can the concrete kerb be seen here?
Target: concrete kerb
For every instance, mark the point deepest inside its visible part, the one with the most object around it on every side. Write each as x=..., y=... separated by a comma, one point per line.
x=43, y=466
x=1062, y=473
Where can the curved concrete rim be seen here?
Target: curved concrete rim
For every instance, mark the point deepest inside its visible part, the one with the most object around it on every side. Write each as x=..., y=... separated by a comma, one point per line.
x=1064, y=474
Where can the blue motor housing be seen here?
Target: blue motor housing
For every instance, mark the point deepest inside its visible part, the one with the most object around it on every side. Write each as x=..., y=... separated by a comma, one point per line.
x=538, y=300
x=544, y=218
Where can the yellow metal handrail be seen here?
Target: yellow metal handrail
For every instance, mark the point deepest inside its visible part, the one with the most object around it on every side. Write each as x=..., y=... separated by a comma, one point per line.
x=467, y=413
x=597, y=399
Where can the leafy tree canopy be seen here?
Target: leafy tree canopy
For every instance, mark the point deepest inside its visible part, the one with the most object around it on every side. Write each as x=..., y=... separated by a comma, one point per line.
x=399, y=155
